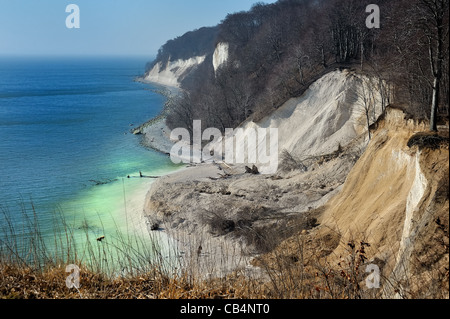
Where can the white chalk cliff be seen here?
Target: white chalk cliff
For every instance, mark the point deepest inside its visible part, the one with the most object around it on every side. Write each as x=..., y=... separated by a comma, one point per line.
x=173, y=72
x=220, y=55
x=330, y=113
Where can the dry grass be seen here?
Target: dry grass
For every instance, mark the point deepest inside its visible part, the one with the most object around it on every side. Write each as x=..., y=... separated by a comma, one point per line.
x=26, y=283
x=299, y=267
x=298, y=271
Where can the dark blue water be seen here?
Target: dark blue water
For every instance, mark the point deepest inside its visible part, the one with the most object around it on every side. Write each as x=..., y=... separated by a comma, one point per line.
x=65, y=122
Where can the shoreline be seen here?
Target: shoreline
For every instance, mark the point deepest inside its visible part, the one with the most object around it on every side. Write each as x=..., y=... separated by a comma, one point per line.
x=173, y=90
x=226, y=216
x=155, y=133
x=156, y=136
x=160, y=142
x=199, y=251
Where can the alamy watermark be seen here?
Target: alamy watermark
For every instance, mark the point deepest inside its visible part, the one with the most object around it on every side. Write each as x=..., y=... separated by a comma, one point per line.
x=373, y=280
x=373, y=20
x=252, y=145
x=73, y=19
x=73, y=280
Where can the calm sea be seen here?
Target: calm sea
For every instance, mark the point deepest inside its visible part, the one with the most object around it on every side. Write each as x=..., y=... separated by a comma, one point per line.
x=64, y=123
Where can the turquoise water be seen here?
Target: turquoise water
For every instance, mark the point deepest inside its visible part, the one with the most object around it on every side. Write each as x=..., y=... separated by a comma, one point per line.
x=65, y=123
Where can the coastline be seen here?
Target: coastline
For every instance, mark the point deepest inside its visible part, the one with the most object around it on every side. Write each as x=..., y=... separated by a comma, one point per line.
x=222, y=217
x=173, y=90
x=155, y=133
x=196, y=251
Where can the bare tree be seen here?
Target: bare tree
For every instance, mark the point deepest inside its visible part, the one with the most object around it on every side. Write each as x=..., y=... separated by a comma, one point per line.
x=344, y=31
x=302, y=60
x=364, y=94
x=182, y=113
x=432, y=14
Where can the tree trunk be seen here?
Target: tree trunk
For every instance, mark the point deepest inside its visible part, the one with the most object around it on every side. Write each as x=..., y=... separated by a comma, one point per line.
x=436, y=53
x=437, y=77
x=434, y=105
x=368, y=123
x=362, y=55
x=322, y=53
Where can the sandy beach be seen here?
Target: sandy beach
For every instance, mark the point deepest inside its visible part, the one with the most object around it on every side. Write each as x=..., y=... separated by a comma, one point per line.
x=202, y=251
x=196, y=248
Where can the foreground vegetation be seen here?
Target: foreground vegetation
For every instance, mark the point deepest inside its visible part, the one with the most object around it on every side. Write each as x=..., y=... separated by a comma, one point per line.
x=294, y=273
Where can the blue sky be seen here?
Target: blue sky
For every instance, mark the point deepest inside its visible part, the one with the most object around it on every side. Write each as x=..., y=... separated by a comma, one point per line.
x=107, y=27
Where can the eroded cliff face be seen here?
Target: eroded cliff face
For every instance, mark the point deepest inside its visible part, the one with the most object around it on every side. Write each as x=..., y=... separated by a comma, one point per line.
x=391, y=213
x=172, y=73
x=392, y=199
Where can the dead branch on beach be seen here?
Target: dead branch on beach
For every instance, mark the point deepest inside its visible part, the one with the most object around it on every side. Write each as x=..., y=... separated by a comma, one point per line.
x=102, y=182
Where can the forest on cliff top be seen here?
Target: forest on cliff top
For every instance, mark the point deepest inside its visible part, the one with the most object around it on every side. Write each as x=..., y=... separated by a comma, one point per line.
x=277, y=50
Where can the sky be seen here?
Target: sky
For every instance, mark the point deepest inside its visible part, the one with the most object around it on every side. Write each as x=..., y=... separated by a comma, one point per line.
x=107, y=27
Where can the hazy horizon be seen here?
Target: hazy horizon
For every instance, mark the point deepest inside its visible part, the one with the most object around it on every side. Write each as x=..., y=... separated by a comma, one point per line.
x=121, y=28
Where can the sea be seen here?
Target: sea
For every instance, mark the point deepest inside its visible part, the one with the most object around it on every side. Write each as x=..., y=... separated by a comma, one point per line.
x=68, y=162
